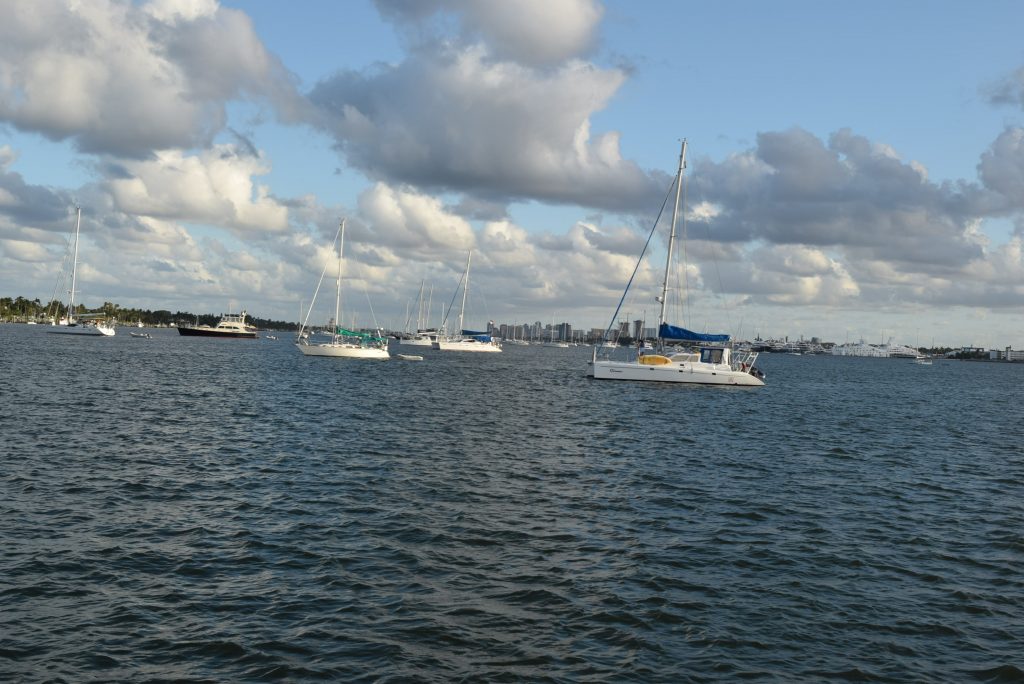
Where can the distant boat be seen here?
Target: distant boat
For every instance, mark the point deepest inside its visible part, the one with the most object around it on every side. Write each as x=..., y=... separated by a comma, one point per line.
x=923, y=360
x=344, y=343
x=229, y=326
x=410, y=357
x=713, y=364
x=91, y=324
x=142, y=335
x=881, y=351
x=424, y=336
x=466, y=340
x=421, y=338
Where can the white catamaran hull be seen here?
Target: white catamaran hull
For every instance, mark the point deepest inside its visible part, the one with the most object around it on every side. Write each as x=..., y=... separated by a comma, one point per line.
x=690, y=373
x=348, y=351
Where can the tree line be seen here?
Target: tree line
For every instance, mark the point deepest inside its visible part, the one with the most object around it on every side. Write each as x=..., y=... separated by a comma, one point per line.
x=22, y=309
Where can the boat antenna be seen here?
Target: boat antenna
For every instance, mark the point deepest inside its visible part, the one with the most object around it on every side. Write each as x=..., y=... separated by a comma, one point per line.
x=672, y=237
x=74, y=269
x=337, y=295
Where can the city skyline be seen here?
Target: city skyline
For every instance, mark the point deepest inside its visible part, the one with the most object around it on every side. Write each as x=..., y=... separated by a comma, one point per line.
x=854, y=172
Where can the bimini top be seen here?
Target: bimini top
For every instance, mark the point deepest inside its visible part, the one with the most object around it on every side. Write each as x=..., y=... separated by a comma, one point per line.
x=671, y=332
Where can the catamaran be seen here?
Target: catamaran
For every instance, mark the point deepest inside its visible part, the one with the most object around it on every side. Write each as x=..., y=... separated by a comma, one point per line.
x=714, y=362
x=91, y=324
x=344, y=343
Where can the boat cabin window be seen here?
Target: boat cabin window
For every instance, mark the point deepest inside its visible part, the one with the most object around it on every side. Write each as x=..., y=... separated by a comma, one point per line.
x=711, y=355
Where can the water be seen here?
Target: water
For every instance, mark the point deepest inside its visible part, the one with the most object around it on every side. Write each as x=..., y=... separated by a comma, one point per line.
x=225, y=510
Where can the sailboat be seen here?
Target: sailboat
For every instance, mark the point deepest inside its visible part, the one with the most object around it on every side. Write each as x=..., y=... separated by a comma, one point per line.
x=91, y=324
x=423, y=337
x=553, y=342
x=466, y=340
x=712, y=363
x=344, y=343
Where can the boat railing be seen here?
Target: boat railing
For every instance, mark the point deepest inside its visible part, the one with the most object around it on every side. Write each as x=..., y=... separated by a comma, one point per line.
x=744, y=360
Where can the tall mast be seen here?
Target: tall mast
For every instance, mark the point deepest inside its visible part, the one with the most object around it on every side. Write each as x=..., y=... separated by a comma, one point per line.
x=419, y=312
x=465, y=289
x=672, y=236
x=74, y=270
x=337, y=295
x=430, y=303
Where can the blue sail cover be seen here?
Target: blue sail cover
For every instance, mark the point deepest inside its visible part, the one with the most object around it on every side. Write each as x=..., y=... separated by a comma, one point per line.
x=671, y=332
x=477, y=335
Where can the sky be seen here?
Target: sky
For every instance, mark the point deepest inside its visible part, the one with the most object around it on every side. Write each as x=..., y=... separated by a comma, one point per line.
x=854, y=171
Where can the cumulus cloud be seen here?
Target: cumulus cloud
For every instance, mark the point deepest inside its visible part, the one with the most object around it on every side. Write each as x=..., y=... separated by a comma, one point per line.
x=534, y=32
x=459, y=117
x=415, y=224
x=126, y=79
x=214, y=187
x=794, y=188
x=1002, y=167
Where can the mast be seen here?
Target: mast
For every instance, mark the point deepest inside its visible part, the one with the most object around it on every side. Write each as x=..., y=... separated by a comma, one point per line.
x=465, y=290
x=672, y=236
x=430, y=303
x=337, y=295
x=74, y=270
x=419, y=312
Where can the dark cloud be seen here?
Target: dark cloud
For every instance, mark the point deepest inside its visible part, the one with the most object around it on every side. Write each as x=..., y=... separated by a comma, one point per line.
x=1001, y=168
x=794, y=188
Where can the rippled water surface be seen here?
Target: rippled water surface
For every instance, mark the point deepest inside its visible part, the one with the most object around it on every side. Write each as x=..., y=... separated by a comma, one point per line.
x=181, y=508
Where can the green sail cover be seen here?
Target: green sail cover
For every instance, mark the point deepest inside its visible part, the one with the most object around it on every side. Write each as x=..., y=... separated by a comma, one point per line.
x=363, y=336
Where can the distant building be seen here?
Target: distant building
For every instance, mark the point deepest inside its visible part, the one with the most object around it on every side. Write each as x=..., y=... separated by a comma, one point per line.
x=1007, y=354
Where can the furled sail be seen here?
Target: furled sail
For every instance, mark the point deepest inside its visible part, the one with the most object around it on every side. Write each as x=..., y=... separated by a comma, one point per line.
x=671, y=332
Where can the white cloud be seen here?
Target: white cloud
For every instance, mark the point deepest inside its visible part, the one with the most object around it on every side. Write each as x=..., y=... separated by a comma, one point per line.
x=213, y=187
x=457, y=120
x=21, y=250
x=531, y=32
x=413, y=223
x=127, y=79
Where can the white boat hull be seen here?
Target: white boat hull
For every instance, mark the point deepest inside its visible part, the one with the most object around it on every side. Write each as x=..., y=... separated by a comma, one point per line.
x=687, y=373
x=466, y=346
x=416, y=342
x=86, y=330
x=347, y=351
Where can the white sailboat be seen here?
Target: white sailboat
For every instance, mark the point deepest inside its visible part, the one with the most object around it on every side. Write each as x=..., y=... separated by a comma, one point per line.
x=553, y=342
x=424, y=336
x=344, y=343
x=713, y=363
x=92, y=325
x=466, y=340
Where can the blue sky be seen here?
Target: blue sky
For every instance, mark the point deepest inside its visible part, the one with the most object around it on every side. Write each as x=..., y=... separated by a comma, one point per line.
x=855, y=171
